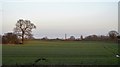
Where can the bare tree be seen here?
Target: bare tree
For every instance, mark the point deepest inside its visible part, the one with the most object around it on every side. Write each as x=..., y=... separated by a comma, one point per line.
x=24, y=28
x=72, y=38
x=113, y=34
x=81, y=37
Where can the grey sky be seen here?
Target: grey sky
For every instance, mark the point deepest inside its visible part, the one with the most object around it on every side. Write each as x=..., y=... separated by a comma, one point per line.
x=54, y=19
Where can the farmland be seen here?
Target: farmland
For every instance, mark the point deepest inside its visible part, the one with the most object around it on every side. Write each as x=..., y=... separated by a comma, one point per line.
x=61, y=52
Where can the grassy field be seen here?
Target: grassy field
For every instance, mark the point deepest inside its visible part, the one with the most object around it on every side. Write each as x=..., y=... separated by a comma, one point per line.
x=61, y=52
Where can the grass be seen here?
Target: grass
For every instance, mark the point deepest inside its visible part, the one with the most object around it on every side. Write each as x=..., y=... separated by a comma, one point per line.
x=61, y=52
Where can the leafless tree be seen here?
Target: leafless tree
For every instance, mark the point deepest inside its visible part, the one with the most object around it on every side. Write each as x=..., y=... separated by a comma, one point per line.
x=24, y=28
x=72, y=38
x=113, y=34
x=81, y=37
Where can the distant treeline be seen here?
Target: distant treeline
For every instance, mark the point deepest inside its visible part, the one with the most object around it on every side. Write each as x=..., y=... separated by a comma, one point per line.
x=12, y=38
x=87, y=38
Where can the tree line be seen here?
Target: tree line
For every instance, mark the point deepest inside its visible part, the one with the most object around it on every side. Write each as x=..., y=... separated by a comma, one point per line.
x=112, y=36
x=23, y=31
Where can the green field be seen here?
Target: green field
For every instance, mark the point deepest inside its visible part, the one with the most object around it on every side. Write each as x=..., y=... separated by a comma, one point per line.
x=61, y=52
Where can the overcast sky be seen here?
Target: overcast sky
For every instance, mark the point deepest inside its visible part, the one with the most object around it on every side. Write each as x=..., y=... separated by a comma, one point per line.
x=55, y=18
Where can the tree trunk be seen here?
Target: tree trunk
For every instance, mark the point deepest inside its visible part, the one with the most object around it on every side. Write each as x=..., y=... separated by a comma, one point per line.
x=23, y=37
